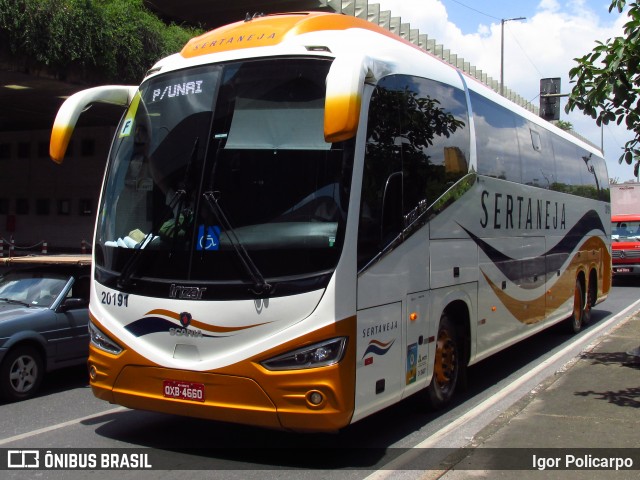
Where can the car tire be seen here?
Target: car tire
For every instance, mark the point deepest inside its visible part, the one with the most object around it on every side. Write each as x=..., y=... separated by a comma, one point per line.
x=21, y=373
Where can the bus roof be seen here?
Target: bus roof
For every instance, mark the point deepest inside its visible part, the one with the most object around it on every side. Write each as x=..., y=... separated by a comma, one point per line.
x=271, y=30
x=281, y=34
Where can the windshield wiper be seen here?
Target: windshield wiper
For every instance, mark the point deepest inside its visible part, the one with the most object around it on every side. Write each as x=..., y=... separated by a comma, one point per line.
x=260, y=285
x=16, y=302
x=181, y=196
x=176, y=201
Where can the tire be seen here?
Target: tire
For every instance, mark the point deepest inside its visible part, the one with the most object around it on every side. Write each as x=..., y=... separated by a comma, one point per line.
x=448, y=365
x=576, y=320
x=21, y=373
x=591, y=298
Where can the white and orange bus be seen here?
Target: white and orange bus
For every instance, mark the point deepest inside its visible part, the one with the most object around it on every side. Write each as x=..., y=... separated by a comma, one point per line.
x=306, y=219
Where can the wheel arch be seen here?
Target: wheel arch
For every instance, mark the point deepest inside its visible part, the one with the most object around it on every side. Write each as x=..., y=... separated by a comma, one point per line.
x=459, y=312
x=29, y=339
x=460, y=303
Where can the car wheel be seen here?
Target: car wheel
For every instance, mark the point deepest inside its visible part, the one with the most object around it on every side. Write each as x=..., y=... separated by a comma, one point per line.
x=21, y=373
x=447, y=365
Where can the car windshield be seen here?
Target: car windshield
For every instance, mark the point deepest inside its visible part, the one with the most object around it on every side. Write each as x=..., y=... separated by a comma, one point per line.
x=221, y=173
x=31, y=289
x=626, y=231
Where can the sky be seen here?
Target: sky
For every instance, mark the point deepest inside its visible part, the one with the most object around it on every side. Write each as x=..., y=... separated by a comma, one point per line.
x=545, y=44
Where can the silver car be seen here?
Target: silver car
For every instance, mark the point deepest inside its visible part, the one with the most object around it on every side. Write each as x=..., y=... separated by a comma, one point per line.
x=43, y=324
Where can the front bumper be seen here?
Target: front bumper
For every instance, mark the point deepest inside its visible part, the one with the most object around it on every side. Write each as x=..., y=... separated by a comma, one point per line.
x=625, y=269
x=245, y=393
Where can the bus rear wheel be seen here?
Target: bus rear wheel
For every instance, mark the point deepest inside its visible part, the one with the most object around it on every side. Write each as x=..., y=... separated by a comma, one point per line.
x=447, y=365
x=592, y=292
x=577, y=316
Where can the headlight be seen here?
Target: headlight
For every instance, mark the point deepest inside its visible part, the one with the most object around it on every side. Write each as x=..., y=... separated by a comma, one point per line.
x=102, y=341
x=322, y=354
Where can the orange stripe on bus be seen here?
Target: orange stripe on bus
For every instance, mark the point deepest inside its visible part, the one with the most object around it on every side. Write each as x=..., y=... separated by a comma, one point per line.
x=202, y=325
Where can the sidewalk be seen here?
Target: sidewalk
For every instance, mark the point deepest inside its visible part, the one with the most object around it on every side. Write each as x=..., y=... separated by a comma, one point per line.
x=593, y=403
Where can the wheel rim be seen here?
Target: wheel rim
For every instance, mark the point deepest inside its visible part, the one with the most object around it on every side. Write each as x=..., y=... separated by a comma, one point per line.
x=23, y=374
x=445, y=361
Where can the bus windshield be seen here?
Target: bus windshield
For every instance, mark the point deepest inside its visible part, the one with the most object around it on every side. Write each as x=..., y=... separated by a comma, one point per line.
x=220, y=173
x=626, y=231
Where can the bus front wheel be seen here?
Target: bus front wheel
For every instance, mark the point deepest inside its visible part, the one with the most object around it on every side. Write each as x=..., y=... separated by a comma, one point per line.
x=447, y=365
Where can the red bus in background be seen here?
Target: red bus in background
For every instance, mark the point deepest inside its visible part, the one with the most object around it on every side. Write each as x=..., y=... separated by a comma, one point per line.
x=625, y=229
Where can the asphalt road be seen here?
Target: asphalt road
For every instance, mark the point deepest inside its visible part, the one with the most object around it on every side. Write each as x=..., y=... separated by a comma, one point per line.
x=67, y=416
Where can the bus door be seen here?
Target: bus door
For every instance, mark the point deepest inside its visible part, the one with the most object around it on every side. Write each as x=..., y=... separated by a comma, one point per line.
x=392, y=351
x=379, y=357
x=392, y=325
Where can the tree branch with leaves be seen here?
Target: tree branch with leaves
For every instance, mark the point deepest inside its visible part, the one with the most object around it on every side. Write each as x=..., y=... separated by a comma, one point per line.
x=607, y=82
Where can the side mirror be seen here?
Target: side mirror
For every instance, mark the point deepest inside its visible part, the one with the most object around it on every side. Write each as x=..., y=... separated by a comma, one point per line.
x=73, y=106
x=73, y=303
x=345, y=83
x=345, y=86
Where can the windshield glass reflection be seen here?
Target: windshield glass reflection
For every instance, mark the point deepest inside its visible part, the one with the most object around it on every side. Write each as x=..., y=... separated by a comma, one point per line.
x=221, y=173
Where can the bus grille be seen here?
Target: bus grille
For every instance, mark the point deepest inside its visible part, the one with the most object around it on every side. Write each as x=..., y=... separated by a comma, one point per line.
x=625, y=253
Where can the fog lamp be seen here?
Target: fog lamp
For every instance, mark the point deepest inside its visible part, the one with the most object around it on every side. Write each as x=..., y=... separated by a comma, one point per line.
x=315, y=398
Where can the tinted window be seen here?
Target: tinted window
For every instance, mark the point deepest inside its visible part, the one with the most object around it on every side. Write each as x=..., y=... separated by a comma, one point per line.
x=569, y=166
x=496, y=139
x=536, y=154
x=513, y=148
x=417, y=148
x=602, y=177
x=220, y=173
x=592, y=177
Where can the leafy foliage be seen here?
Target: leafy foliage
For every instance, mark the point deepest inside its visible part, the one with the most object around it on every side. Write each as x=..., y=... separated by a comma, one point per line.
x=607, y=82
x=566, y=126
x=112, y=40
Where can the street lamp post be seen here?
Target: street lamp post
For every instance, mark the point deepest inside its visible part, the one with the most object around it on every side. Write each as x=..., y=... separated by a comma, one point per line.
x=502, y=22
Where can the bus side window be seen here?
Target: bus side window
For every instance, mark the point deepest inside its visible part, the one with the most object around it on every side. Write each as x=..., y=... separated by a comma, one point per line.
x=536, y=155
x=417, y=141
x=497, y=139
x=391, y=224
x=382, y=160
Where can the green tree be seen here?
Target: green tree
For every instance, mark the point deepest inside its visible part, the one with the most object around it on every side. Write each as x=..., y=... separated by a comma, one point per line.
x=91, y=41
x=566, y=126
x=607, y=82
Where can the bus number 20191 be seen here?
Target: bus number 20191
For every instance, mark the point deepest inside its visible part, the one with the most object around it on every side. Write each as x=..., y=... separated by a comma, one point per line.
x=116, y=299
